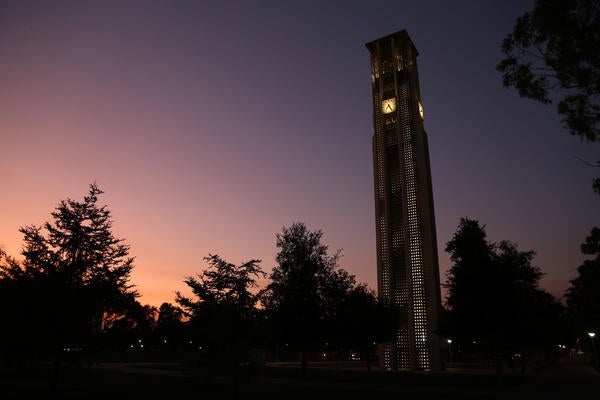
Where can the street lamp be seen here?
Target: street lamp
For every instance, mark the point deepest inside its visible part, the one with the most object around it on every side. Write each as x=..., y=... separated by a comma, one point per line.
x=449, y=350
x=592, y=337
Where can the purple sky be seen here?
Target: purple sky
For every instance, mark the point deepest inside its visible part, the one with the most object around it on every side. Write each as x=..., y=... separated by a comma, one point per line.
x=211, y=125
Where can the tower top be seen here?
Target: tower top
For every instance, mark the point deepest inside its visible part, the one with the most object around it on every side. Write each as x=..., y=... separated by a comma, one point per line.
x=400, y=36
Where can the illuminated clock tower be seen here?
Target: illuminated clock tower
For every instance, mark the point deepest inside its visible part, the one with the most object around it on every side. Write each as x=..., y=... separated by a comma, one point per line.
x=407, y=265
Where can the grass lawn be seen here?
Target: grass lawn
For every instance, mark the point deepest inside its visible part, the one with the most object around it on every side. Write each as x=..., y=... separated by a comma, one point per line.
x=33, y=382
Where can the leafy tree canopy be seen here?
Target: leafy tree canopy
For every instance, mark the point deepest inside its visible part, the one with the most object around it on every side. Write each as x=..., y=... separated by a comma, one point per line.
x=583, y=296
x=552, y=55
x=306, y=285
x=80, y=248
x=74, y=275
x=493, y=292
x=223, y=311
x=307, y=289
x=223, y=283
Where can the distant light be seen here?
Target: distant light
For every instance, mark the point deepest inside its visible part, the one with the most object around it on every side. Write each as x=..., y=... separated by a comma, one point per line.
x=591, y=334
x=449, y=341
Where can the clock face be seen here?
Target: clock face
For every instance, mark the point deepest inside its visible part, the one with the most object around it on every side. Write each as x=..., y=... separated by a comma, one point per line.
x=388, y=105
x=421, y=110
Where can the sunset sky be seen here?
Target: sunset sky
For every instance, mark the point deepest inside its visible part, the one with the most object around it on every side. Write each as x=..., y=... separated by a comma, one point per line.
x=210, y=125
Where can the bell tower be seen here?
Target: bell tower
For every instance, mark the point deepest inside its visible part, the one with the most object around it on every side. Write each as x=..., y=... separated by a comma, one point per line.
x=407, y=263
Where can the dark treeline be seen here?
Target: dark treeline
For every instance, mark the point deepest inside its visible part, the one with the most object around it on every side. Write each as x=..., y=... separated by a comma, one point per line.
x=71, y=299
x=496, y=309
x=495, y=305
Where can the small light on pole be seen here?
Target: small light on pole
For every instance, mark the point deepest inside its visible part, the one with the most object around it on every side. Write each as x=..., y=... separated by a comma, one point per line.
x=592, y=336
x=449, y=350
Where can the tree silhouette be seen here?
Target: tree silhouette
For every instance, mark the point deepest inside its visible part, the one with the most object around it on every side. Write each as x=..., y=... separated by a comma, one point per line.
x=362, y=320
x=583, y=296
x=74, y=274
x=553, y=51
x=170, y=326
x=468, y=281
x=306, y=289
x=18, y=290
x=552, y=55
x=222, y=311
x=494, y=297
x=131, y=329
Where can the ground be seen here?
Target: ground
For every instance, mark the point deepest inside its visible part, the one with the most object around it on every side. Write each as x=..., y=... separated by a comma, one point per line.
x=150, y=380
